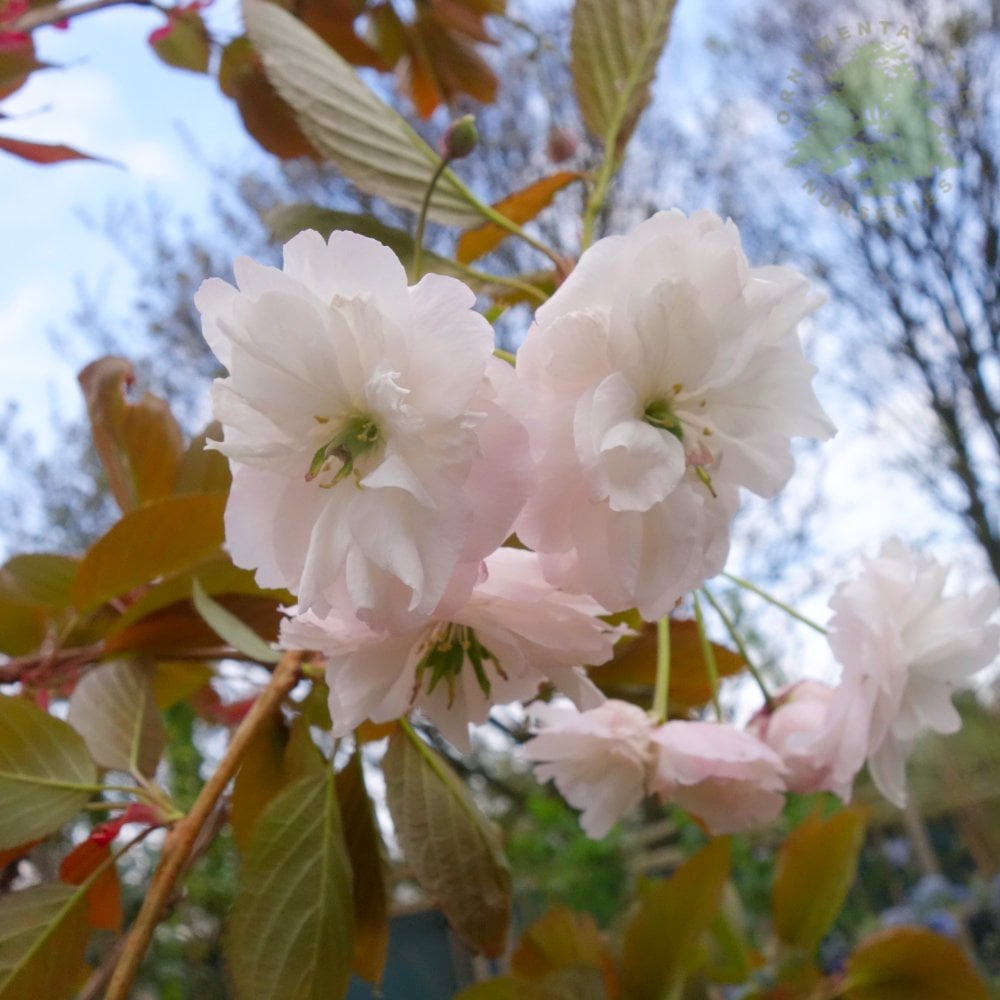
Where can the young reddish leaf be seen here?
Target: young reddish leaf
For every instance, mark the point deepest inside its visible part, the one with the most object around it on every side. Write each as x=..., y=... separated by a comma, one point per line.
x=201, y=469
x=365, y=849
x=562, y=939
x=615, y=48
x=44, y=153
x=634, y=665
x=455, y=64
x=335, y=25
x=164, y=537
x=266, y=115
x=662, y=937
x=291, y=926
x=113, y=708
x=452, y=848
x=911, y=963
x=139, y=444
x=17, y=62
x=813, y=873
x=104, y=897
x=46, y=774
x=183, y=41
x=43, y=940
x=39, y=578
x=420, y=82
x=521, y=206
x=465, y=18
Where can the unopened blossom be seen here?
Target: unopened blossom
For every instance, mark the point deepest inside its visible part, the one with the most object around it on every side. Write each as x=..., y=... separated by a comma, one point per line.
x=599, y=759
x=514, y=633
x=725, y=776
x=371, y=451
x=789, y=728
x=666, y=374
x=904, y=645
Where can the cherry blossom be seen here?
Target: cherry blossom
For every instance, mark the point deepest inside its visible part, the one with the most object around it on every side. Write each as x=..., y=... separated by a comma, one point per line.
x=599, y=759
x=373, y=453
x=725, y=776
x=514, y=633
x=666, y=374
x=904, y=645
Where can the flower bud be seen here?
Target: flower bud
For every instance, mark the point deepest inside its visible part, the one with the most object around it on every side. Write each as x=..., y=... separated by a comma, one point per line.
x=460, y=139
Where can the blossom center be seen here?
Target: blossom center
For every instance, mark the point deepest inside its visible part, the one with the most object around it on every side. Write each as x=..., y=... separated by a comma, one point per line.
x=660, y=414
x=358, y=436
x=449, y=648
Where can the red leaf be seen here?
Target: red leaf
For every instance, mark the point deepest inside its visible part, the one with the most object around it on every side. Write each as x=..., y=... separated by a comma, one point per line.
x=104, y=899
x=43, y=153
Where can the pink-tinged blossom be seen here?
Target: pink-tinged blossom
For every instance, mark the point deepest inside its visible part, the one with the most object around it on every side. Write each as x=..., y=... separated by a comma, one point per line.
x=666, y=374
x=904, y=646
x=515, y=632
x=726, y=777
x=369, y=429
x=789, y=728
x=600, y=759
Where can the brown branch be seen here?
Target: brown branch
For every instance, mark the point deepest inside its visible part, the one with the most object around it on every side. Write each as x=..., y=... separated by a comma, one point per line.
x=182, y=838
x=52, y=14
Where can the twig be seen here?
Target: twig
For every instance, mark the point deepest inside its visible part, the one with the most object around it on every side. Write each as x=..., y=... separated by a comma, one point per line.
x=52, y=14
x=182, y=837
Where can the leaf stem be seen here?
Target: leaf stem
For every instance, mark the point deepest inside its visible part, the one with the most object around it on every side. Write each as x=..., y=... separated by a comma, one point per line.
x=418, y=239
x=597, y=195
x=741, y=646
x=183, y=835
x=771, y=599
x=662, y=689
x=708, y=654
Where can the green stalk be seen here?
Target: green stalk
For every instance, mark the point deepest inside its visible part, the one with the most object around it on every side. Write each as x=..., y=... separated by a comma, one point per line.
x=418, y=239
x=708, y=654
x=741, y=646
x=771, y=599
x=662, y=688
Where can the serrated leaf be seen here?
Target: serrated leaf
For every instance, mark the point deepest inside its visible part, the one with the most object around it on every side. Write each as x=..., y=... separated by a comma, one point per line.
x=365, y=849
x=615, y=49
x=661, y=938
x=452, y=848
x=114, y=709
x=290, y=933
x=46, y=774
x=521, y=206
x=39, y=578
x=139, y=444
x=813, y=874
x=104, y=894
x=228, y=627
x=160, y=539
x=368, y=142
x=43, y=941
x=265, y=114
x=911, y=963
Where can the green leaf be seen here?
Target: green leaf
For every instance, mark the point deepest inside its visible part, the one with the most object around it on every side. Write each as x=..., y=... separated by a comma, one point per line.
x=369, y=142
x=43, y=941
x=39, y=578
x=364, y=847
x=452, y=848
x=162, y=538
x=22, y=627
x=183, y=41
x=290, y=934
x=113, y=708
x=227, y=626
x=662, y=938
x=814, y=871
x=139, y=444
x=46, y=774
x=911, y=963
x=615, y=48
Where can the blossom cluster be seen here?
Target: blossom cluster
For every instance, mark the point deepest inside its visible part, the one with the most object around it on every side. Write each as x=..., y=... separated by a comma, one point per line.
x=382, y=455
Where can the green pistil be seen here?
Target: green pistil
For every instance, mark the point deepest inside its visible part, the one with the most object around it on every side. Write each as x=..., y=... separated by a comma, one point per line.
x=358, y=436
x=447, y=655
x=659, y=414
